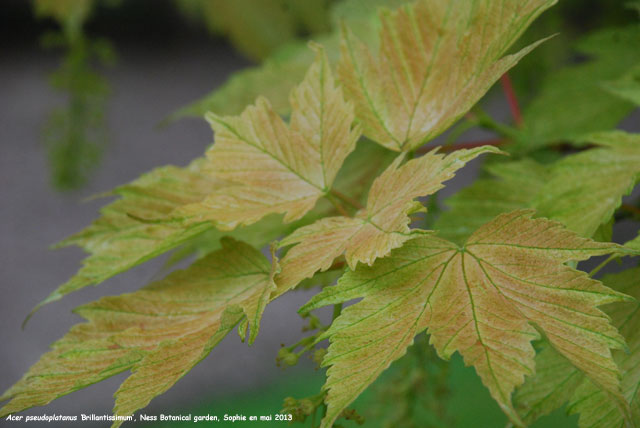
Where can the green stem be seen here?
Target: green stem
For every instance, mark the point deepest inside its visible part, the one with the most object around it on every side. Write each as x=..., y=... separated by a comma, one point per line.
x=457, y=132
x=601, y=265
x=483, y=120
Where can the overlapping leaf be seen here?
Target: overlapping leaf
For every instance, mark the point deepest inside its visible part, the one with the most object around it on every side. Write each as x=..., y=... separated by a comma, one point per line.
x=128, y=232
x=516, y=185
x=595, y=406
x=258, y=28
x=361, y=167
x=586, y=188
x=381, y=227
x=279, y=73
x=573, y=100
x=279, y=168
x=557, y=382
x=480, y=300
x=432, y=67
x=553, y=384
x=627, y=87
x=159, y=332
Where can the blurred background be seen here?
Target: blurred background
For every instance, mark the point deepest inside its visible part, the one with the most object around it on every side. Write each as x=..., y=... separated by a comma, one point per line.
x=94, y=96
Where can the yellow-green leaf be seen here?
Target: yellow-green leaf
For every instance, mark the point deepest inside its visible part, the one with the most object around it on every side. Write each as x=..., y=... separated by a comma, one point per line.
x=515, y=186
x=595, y=406
x=433, y=66
x=557, y=381
x=482, y=300
x=279, y=168
x=627, y=87
x=382, y=226
x=277, y=75
x=572, y=101
x=585, y=189
x=553, y=384
x=159, y=332
x=130, y=232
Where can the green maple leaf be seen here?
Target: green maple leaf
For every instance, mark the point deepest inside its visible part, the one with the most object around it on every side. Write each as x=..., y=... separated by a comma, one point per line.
x=159, y=332
x=573, y=101
x=557, y=382
x=584, y=190
x=486, y=198
x=481, y=300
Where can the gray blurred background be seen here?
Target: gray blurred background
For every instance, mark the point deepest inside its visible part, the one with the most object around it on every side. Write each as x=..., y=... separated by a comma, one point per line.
x=163, y=64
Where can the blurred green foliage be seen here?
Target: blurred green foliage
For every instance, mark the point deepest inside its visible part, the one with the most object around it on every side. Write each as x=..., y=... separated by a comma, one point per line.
x=74, y=134
x=469, y=403
x=257, y=28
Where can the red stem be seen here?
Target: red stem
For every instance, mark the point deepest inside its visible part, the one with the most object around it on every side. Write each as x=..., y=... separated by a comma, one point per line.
x=512, y=99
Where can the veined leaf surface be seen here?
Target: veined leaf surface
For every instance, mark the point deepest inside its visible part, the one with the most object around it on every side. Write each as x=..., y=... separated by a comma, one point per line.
x=553, y=384
x=159, y=332
x=557, y=382
x=585, y=189
x=129, y=231
x=480, y=300
x=515, y=186
x=278, y=168
x=596, y=407
x=432, y=66
x=573, y=101
x=277, y=75
x=382, y=226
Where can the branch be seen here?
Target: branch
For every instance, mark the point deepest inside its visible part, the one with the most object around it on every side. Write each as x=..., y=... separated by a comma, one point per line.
x=512, y=99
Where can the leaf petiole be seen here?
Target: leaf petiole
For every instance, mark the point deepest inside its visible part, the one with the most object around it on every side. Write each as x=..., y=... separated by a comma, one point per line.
x=602, y=265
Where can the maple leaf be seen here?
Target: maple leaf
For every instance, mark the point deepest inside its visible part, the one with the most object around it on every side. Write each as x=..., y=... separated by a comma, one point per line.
x=584, y=190
x=159, y=332
x=128, y=232
x=573, y=101
x=431, y=68
x=142, y=224
x=557, y=381
x=277, y=75
x=361, y=167
x=595, y=406
x=379, y=228
x=279, y=168
x=483, y=200
x=553, y=384
x=481, y=300
x=250, y=26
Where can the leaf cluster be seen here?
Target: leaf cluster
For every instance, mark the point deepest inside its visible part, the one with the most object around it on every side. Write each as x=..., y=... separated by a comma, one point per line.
x=337, y=190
